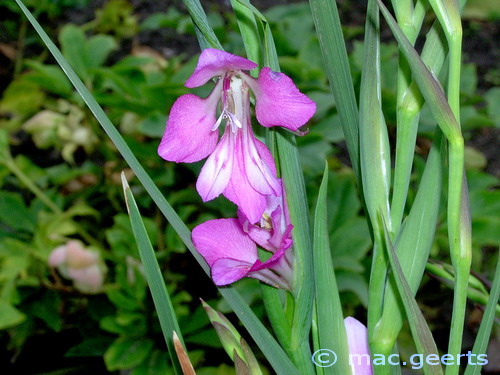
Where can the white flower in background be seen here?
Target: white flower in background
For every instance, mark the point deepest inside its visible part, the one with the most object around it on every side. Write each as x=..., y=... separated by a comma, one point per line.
x=84, y=267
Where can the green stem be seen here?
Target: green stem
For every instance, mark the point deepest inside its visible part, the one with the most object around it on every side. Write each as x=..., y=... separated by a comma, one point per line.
x=276, y=315
x=458, y=212
x=12, y=166
x=408, y=111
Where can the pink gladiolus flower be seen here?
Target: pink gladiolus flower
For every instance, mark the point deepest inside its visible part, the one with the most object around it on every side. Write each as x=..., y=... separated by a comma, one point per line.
x=232, y=255
x=238, y=165
x=230, y=246
x=359, y=352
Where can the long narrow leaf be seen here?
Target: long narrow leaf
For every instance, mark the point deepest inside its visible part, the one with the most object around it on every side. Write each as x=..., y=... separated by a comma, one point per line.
x=428, y=84
x=422, y=335
x=249, y=31
x=375, y=160
x=481, y=343
x=161, y=298
x=259, y=333
x=204, y=32
x=331, y=40
x=328, y=307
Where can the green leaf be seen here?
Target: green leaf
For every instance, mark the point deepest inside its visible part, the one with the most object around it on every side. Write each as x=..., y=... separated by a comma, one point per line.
x=155, y=364
x=72, y=40
x=343, y=201
x=249, y=31
x=422, y=335
x=427, y=83
x=414, y=242
x=328, y=306
x=153, y=125
x=493, y=98
x=50, y=78
x=92, y=347
x=9, y=315
x=161, y=298
x=331, y=40
x=373, y=139
x=127, y=352
x=97, y=50
x=481, y=343
x=375, y=159
x=14, y=212
x=205, y=33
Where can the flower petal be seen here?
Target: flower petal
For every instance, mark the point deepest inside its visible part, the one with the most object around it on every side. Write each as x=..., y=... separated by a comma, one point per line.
x=216, y=173
x=189, y=136
x=58, y=256
x=279, y=102
x=227, y=270
x=258, y=233
x=240, y=191
x=357, y=339
x=214, y=62
x=87, y=280
x=224, y=238
x=259, y=164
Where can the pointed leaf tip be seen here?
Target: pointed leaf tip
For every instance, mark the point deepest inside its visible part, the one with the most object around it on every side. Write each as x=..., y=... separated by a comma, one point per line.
x=186, y=365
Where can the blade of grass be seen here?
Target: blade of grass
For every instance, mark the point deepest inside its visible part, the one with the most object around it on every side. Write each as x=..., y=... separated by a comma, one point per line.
x=156, y=283
x=273, y=352
x=328, y=306
x=332, y=43
x=422, y=335
x=205, y=34
x=481, y=343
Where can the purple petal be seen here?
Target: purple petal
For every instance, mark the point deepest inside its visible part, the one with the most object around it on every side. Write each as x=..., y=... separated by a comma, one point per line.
x=188, y=136
x=240, y=191
x=223, y=238
x=279, y=102
x=259, y=164
x=273, y=261
x=214, y=62
x=357, y=339
x=216, y=173
x=227, y=270
x=257, y=233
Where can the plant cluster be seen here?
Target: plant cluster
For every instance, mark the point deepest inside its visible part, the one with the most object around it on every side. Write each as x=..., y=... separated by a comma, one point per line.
x=75, y=268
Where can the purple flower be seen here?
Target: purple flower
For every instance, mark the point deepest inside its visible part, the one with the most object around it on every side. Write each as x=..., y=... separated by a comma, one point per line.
x=230, y=246
x=238, y=165
x=359, y=352
x=273, y=231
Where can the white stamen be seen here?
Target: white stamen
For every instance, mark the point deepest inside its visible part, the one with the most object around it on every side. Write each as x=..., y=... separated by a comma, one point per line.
x=219, y=120
x=234, y=122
